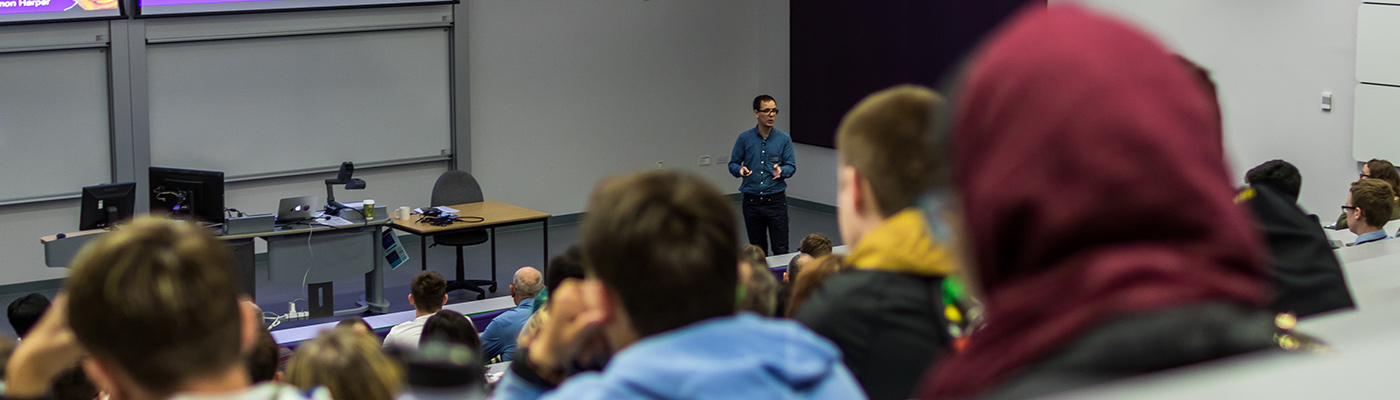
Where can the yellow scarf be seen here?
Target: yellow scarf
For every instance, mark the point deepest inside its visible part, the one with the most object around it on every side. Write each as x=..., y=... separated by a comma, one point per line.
x=902, y=244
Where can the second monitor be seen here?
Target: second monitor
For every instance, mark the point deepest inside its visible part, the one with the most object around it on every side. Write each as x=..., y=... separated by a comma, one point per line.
x=188, y=193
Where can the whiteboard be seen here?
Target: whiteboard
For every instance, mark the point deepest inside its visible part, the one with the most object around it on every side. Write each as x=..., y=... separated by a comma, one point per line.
x=268, y=105
x=55, y=135
x=1377, y=38
x=1376, y=124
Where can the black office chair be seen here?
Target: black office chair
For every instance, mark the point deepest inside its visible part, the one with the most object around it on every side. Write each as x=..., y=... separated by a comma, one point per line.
x=458, y=187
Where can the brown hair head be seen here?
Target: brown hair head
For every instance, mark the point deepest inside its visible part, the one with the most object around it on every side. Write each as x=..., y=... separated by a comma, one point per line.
x=663, y=242
x=428, y=289
x=813, y=274
x=1384, y=170
x=159, y=299
x=347, y=363
x=885, y=138
x=1375, y=197
x=754, y=254
x=815, y=245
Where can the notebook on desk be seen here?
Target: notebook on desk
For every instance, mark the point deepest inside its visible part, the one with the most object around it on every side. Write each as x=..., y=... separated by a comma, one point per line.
x=294, y=209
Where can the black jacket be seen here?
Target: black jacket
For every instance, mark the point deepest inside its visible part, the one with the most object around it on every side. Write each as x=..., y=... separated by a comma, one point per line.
x=1307, y=279
x=1145, y=342
x=889, y=326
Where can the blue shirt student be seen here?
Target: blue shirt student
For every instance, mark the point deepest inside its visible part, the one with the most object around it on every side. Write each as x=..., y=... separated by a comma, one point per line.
x=758, y=153
x=500, y=334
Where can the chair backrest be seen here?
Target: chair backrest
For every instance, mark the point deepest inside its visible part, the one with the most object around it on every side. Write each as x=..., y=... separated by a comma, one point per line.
x=456, y=187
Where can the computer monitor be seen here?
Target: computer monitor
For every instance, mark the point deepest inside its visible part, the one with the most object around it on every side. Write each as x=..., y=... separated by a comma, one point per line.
x=188, y=193
x=105, y=205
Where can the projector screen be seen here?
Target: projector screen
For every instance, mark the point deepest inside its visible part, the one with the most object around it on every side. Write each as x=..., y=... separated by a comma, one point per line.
x=51, y=10
x=172, y=7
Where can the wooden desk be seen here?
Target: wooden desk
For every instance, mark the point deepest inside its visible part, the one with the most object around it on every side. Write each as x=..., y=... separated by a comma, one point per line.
x=495, y=214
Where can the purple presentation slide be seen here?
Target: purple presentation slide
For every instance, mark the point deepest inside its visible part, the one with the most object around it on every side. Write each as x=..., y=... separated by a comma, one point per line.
x=57, y=6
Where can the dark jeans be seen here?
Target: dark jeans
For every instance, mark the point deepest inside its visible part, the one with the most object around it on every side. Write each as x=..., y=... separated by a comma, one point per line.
x=766, y=216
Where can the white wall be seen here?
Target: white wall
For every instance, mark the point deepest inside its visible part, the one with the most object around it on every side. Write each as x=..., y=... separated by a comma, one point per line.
x=817, y=180
x=1271, y=60
x=565, y=93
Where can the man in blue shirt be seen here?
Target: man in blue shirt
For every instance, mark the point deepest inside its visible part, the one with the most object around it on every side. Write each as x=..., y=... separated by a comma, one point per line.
x=763, y=159
x=1368, y=208
x=500, y=334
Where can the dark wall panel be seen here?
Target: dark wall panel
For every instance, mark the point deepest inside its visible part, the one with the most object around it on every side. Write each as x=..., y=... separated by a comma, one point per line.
x=844, y=50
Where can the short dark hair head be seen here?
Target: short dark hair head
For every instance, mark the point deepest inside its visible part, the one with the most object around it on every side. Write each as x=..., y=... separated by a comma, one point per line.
x=262, y=362
x=1278, y=175
x=758, y=101
x=886, y=138
x=25, y=311
x=1384, y=170
x=754, y=254
x=815, y=245
x=663, y=243
x=760, y=290
x=564, y=266
x=158, y=299
x=452, y=327
x=428, y=289
x=1375, y=198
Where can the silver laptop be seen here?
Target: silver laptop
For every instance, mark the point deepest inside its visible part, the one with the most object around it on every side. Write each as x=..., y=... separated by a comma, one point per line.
x=293, y=209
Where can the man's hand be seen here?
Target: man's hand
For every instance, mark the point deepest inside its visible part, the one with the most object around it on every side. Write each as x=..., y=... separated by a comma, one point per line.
x=745, y=172
x=777, y=172
x=575, y=320
x=49, y=349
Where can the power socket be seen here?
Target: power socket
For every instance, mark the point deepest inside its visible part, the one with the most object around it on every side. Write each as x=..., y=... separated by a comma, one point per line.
x=292, y=312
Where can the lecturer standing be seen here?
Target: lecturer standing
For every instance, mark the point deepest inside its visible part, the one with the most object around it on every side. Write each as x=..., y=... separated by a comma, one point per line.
x=763, y=159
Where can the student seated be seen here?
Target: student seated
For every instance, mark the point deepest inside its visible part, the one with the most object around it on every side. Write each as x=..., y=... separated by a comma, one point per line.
x=263, y=360
x=813, y=274
x=815, y=245
x=1376, y=169
x=25, y=311
x=1367, y=210
x=885, y=309
x=1307, y=278
x=1279, y=175
x=123, y=293
x=659, y=250
x=758, y=289
x=499, y=338
x=347, y=363
x=427, y=293
x=452, y=327
x=1176, y=276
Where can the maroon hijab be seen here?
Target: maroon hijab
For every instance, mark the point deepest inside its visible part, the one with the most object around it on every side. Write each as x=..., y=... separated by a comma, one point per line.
x=1087, y=160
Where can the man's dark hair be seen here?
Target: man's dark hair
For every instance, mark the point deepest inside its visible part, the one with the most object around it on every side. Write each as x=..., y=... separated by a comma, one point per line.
x=1278, y=175
x=794, y=266
x=758, y=101
x=663, y=242
x=25, y=311
x=564, y=266
x=262, y=362
x=428, y=289
x=452, y=327
x=815, y=245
